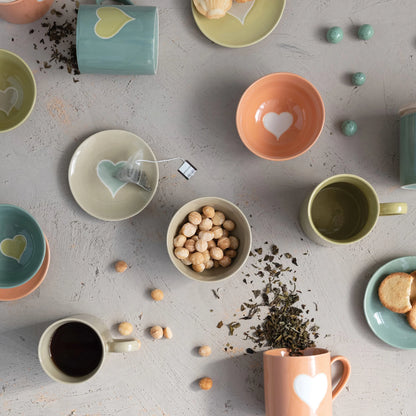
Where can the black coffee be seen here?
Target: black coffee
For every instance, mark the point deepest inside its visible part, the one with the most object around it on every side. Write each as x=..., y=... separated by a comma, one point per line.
x=76, y=349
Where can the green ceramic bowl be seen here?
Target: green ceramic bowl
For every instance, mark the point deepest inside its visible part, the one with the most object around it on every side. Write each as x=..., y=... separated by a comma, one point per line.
x=17, y=91
x=390, y=327
x=22, y=246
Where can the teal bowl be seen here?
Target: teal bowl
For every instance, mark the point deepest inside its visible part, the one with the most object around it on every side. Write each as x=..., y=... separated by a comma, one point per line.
x=22, y=246
x=390, y=327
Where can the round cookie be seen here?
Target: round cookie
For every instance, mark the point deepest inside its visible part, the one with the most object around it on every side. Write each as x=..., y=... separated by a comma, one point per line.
x=394, y=292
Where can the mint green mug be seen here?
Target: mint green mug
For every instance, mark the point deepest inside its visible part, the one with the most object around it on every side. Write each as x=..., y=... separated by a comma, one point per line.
x=408, y=147
x=343, y=209
x=117, y=39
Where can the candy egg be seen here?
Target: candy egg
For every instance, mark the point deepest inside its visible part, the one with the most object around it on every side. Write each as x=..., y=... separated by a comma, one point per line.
x=358, y=78
x=365, y=32
x=349, y=127
x=334, y=34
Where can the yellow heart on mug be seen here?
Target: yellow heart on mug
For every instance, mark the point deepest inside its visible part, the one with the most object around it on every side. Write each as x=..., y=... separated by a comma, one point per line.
x=14, y=247
x=110, y=21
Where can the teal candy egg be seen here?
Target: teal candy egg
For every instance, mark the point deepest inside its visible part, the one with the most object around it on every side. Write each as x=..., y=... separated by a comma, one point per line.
x=349, y=127
x=358, y=78
x=334, y=34
x=365, y=32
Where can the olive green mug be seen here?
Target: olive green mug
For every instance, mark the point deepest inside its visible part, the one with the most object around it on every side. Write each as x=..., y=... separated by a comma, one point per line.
x=343, y=209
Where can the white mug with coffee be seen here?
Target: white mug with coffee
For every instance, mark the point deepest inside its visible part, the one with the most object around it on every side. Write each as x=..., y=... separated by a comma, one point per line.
x=72, y=350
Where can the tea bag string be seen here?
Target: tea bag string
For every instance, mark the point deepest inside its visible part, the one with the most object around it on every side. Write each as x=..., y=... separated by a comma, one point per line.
x=137, y=161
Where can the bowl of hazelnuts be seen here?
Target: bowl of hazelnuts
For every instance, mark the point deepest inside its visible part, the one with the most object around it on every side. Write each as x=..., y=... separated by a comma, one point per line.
x=209, y=239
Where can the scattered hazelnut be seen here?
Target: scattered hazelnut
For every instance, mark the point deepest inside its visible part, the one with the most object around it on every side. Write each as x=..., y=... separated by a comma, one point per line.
x=225, y=261
x=167, y=333
x=181, y=252
x=218, y=218
x=157, y=295
x=188, y=229
x=199, y=268
x=204, y=351
x=206, y=235
x=201, y=245
x=216, y=253
x=206, y=224
x=195, y=218
x=208, y=211
x=125, y=328
x=223, y=243
x=205, y=383
x=196, y=258
x=190, y=245
x=121, y=266
x=156, y=332
x=229, y=225
x=179, y=240
x=218, y=231
x=234, y=243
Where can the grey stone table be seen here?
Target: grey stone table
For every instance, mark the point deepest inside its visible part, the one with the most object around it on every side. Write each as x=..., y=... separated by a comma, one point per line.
x=188, y=109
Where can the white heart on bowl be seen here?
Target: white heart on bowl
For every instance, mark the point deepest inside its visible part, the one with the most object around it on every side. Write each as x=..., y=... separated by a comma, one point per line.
x=241, y=10
x=277, y=124
x=8, y=99
x=311, y=390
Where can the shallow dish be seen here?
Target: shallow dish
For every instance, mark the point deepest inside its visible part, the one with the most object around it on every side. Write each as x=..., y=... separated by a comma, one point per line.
x=17, y=91
x=91, y=175
x=27, y=288
x=280, y=116
x=22, y=246
x=234, y=32
x=390, y=327
x=242, y=232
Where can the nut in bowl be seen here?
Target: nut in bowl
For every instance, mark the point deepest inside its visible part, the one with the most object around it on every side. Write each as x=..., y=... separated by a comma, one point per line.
x=209, y=239
x=280, y=116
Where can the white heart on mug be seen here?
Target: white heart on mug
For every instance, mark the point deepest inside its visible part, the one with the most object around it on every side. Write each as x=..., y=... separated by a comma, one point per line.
x=277, y=124
x=8, y=99
x=311, y=390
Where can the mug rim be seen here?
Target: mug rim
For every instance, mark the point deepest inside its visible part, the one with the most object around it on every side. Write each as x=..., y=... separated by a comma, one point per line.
x=321, y=186
x=46, y=337
x=284, y=353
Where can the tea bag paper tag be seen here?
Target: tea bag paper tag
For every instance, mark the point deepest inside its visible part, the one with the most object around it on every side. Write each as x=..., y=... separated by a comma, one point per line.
x=187, y=169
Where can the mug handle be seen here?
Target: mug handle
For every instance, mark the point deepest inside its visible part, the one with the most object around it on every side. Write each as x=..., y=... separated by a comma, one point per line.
x=345, y=374
x=123, y=345
x=393, y=208
x=128, y=2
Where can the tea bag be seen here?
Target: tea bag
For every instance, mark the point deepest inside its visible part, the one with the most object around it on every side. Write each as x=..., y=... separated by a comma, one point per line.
x=133, y=172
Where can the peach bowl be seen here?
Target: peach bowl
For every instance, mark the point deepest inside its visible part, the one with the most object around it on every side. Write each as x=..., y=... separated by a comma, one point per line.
x=280, y=116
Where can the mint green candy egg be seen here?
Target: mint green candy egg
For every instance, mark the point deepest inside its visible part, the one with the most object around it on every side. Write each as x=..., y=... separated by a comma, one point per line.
x=358, y=78
x=334, y=34
x=365, y=32
x=349, y=127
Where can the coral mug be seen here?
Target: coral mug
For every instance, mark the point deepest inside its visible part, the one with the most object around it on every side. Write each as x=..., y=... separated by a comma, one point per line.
x=73, y=349
x=301, y=385
x=117, y=39
x=23, y=11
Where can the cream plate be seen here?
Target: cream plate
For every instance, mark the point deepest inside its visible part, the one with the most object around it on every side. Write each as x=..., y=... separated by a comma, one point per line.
x=242, y=25
x=91, y=175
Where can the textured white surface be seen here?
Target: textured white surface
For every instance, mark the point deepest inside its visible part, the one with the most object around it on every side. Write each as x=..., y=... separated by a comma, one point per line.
x=188, y=109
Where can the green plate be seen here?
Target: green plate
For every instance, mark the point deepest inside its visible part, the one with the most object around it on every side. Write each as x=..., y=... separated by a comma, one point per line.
x=390, y=327
x=22, y=246
x=230, y=32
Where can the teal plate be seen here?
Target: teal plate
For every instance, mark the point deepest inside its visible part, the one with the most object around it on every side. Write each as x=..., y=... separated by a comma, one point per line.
x=22, y=246
x=390, y=327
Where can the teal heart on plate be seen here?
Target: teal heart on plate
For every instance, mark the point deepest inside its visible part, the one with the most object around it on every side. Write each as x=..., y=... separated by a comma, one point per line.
x=106, y=172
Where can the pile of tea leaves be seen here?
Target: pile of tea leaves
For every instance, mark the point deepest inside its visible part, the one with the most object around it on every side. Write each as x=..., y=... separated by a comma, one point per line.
x=284, y=320
x=58, y=29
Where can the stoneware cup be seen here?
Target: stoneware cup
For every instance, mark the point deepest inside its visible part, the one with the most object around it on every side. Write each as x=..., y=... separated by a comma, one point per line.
x=343, y=209
x=408, y=147
x=117, y=39
x=24, y=11
x=17, y=91
x=108, y=344
x=301, y=385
